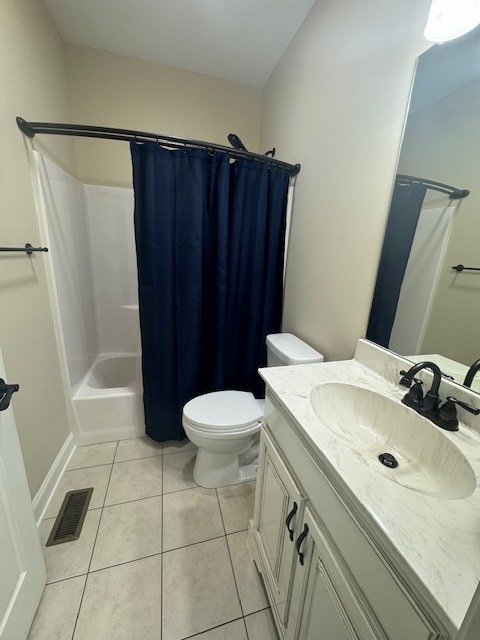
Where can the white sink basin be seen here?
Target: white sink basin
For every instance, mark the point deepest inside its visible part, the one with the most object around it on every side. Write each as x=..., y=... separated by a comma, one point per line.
x=371, y=424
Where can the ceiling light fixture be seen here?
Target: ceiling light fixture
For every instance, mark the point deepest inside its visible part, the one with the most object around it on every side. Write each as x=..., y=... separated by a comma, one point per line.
x=450, y=19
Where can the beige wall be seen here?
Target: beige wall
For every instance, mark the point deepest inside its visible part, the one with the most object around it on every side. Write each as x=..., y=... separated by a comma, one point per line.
x=119, y=91
x=33, y=82
x=104, y=89
x=336, y=103
x=442, y=143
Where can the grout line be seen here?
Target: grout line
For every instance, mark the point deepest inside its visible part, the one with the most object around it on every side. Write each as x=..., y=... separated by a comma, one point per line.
x=230, y=555
x=101, y=515
x=153, y=455
x=219, y=626
x=120, y=564
x=93, y=549
x=93, y=466
x=192, y=544
x=157, y=495
x=195, y=486
x=245, y=625
x=89, y=466
x=109, y=478
x=78, y=575
x=247, y=615
x=221, y=514
x=150, y=555
x=55, y=516
x=115, y=504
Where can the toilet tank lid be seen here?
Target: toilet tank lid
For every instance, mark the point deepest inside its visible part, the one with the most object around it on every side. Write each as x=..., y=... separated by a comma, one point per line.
x=292, y=350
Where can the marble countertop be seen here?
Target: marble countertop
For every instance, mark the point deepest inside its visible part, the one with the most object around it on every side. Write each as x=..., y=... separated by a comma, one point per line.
x=436, y=540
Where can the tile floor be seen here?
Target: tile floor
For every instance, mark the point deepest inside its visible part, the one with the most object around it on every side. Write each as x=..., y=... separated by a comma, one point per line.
x=159, y=558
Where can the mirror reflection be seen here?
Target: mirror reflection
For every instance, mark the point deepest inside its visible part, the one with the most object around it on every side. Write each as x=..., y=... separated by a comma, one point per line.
x=425, y=305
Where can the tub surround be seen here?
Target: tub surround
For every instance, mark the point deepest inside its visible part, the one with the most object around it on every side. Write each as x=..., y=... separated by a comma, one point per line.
x=93, y=290
x=433, y=543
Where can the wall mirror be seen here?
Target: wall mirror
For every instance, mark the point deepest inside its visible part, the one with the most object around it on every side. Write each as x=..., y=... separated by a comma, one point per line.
x=424, y=308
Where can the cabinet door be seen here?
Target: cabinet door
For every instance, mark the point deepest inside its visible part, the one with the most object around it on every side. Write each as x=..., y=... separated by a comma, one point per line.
x=324, y=605
x=278, y=512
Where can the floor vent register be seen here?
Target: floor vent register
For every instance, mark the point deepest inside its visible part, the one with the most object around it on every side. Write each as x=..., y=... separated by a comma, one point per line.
x=69, y=522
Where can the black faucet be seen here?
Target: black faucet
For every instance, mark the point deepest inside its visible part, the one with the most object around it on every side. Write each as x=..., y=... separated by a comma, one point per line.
x=471, y=373
x=444, y=416
x=414, y=398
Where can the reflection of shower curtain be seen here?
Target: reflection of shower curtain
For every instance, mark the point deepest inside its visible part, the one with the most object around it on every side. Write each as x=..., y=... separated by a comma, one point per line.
x=407, y=201
x=210, y=240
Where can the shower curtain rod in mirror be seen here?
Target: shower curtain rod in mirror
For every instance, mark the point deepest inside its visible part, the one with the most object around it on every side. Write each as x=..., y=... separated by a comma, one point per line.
x=452, y=192
x=129, y=135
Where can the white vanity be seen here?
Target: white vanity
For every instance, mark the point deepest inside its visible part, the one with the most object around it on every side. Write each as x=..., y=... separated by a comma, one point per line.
x=350, y=549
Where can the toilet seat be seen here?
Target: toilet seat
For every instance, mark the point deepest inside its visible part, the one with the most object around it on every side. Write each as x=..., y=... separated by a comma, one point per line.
x=223, y=413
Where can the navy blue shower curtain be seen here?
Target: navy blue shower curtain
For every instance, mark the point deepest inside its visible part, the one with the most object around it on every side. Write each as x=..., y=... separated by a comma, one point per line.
x=210, y=237
x=405, y=209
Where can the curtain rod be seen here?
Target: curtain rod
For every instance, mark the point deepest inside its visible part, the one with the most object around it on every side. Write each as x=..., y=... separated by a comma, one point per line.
x=452, y=192
x=109, y=133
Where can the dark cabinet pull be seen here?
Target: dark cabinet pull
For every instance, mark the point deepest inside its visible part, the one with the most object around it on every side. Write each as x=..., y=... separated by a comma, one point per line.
x=289, y=519
x=6, y=393
x=299, y=543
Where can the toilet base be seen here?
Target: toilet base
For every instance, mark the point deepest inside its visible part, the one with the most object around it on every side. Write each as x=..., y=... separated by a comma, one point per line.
x=214, y=470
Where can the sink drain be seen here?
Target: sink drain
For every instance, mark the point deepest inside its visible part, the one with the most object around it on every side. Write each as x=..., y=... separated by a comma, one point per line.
x=388, y=460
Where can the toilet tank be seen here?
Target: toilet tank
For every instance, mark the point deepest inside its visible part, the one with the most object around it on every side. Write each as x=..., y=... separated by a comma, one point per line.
x=285, y=348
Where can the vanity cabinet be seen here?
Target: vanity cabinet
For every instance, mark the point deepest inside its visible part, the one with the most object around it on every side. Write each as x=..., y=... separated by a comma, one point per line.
x=279, y=513
x=325, y=577
x=323, y=603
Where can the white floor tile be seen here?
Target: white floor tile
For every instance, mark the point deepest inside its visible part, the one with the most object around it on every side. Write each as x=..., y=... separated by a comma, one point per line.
x=190, y=516
x=134, y=480
x=232, y=631
x=249, y=583
x=136, y=448
x=96, y=477
x=57, y=612
x=122, y=603
x=198, y=589
x=92, y=455
x=175, y=446
x=128, y=532
x=71, y=558
x=178, y=471
x=260, y=626
x=236, y=503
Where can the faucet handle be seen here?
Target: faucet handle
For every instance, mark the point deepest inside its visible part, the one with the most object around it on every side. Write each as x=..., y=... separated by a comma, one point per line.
x=447, y=414
x=468, y=407
x=406, y=381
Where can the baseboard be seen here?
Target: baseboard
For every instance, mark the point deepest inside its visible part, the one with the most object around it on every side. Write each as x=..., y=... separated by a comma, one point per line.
x=44, y=494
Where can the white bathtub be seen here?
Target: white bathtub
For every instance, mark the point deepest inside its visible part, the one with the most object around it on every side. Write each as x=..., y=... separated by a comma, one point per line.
x=108, y=403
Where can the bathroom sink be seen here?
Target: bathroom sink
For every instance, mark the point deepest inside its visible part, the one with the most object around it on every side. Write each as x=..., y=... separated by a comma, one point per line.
x=371, y=424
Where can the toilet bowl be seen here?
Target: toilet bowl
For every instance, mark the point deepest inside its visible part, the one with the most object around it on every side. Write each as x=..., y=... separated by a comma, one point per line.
x=222, y=424
x=225, y=425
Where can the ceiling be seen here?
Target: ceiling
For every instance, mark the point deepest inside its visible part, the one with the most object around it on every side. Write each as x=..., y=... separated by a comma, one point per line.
x=446, y=68
x=237, y=40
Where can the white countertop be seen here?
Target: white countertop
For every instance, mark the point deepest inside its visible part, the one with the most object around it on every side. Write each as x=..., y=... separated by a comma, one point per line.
x=437, y=540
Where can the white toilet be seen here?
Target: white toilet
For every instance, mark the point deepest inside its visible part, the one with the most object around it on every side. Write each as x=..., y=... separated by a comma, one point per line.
x=224, y=424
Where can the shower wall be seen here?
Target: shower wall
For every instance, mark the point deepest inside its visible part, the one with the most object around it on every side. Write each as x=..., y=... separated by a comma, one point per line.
x=93, y=279
x=110, y=219
x=63, y=216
